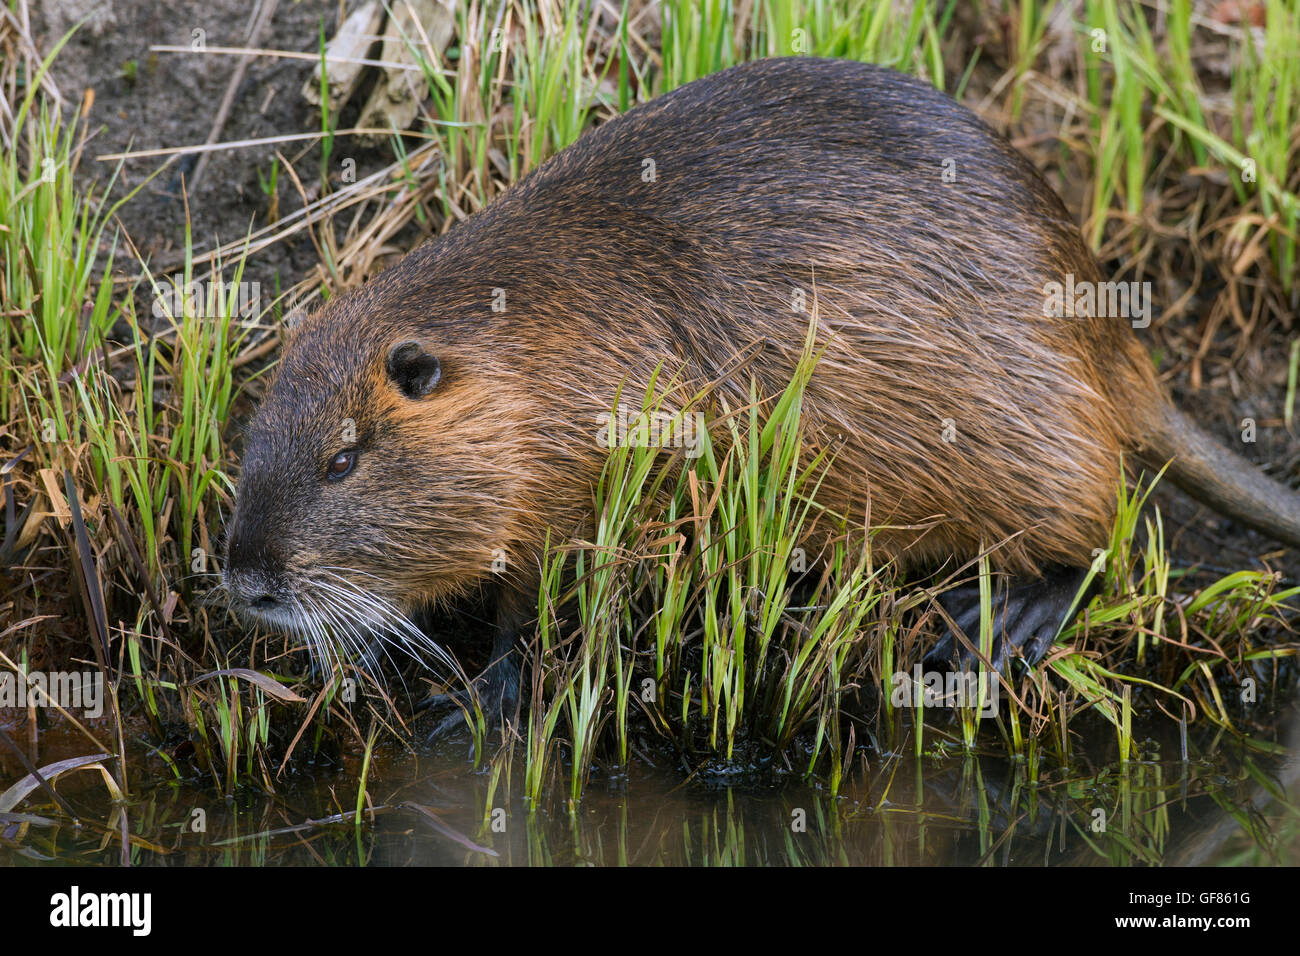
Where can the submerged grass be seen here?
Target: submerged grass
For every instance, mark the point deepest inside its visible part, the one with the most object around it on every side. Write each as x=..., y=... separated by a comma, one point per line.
x=695, y=621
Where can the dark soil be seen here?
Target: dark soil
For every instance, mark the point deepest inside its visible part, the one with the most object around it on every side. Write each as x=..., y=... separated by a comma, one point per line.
x=147, y=100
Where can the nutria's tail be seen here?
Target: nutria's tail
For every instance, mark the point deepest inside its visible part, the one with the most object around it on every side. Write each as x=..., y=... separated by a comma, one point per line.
x=1216, y=477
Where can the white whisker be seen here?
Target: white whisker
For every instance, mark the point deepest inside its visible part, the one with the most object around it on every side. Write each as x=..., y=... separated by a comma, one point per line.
x=338, y=618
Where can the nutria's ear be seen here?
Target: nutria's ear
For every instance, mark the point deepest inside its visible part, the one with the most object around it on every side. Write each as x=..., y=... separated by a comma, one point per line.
x=413, y=370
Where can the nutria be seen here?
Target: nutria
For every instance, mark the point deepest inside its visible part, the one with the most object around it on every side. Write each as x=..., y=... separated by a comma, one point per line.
x=435, y=423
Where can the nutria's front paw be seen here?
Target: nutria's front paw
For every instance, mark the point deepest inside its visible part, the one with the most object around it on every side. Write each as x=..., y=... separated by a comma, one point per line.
x=495, y=692
x=1027, y=614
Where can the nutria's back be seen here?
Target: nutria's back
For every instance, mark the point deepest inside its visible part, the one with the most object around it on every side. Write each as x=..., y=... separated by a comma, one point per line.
x=680, y=234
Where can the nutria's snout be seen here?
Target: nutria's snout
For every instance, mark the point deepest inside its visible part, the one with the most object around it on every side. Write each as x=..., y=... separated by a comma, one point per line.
x=253, y=574
x=296, y=592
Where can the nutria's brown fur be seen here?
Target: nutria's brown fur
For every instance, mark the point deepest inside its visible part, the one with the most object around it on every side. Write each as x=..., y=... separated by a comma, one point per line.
x=782, y=175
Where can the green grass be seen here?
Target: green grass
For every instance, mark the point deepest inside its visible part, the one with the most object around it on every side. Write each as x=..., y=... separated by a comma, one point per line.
x=688, y=611
x=148, y=459
x=683, y=602
x=1136, y=74
x=691, y=618
x=51, y=262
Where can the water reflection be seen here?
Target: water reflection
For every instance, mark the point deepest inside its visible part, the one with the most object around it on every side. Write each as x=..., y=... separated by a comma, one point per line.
x=1225, y=804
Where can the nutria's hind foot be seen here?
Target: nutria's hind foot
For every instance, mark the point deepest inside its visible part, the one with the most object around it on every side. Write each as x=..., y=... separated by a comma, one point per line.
x=1027, y=614
x=497, y=690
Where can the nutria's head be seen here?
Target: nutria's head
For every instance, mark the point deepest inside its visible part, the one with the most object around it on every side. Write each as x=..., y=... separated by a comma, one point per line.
x=377, y=478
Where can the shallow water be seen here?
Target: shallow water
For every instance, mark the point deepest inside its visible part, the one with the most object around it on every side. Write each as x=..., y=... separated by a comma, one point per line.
x=893, y=809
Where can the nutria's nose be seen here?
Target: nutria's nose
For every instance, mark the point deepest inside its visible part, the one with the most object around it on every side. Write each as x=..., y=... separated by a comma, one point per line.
x=253, y=590
x=252, y=583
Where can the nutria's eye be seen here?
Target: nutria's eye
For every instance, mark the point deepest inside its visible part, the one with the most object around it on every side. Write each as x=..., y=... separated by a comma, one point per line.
x=341, y=465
